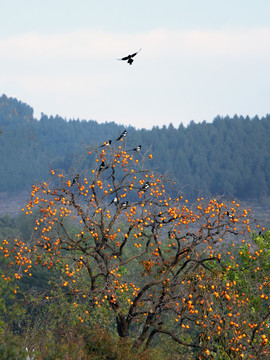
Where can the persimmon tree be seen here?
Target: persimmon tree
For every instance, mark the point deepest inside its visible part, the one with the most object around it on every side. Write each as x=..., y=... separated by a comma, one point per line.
x=162, y=267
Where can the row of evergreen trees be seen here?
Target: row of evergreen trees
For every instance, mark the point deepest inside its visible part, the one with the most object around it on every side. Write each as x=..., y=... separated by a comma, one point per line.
x=228, y=156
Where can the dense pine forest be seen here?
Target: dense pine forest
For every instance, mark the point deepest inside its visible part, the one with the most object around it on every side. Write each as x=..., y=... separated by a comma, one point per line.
x=229, y=156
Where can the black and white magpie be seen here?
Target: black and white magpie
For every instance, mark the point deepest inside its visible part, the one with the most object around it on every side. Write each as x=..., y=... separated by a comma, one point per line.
x=137, y=148
x=145, y=186
x=76, y=178
x=124, y=205
x=115, y=200
x=124, y=134
x=107, y=143
x=102, y=166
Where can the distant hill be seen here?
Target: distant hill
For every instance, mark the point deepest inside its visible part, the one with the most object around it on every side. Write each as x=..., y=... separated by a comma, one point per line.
x=230, y=156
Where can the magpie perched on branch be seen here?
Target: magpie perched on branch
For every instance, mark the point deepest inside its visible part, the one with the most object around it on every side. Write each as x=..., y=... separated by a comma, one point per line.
x=102, y=166
x=145, y=187
x=229, y=215
x=124, y=205
x=76, y=179
x=129, y=57
x=137, y=148
x=107, y=143
x=115, y=200
x=124, y=134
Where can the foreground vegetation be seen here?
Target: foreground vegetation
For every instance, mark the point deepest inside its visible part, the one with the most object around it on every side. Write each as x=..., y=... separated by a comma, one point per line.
x=108, y=262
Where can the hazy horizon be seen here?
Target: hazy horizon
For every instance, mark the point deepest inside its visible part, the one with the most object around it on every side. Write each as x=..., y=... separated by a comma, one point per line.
x=197, y=61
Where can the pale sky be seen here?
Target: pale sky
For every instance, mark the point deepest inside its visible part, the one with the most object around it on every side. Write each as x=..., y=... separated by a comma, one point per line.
x=199, y=59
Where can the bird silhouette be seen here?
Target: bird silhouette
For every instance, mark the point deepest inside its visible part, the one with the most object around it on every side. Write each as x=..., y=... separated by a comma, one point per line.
x=107, y=143
x=129, y=57
x=124, y=134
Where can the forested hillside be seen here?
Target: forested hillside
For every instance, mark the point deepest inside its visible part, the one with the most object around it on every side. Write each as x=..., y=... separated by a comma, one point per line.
x=228, y=156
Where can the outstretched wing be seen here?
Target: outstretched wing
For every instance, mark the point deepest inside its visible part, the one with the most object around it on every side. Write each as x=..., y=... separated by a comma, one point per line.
x=129, y=56
x=126, y=57
x=135, y=53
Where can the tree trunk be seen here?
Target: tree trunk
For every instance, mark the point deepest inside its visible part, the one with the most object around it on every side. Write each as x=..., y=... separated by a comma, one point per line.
x=122, y=326
x=144, y=332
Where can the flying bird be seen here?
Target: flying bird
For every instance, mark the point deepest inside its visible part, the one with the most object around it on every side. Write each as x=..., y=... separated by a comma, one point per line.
x=124, y=134
x=129, y=57
x=106, y=143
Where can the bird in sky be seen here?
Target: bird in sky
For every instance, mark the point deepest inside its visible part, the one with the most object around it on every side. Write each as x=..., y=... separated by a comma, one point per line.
x=129, y=57
x=124, y=134
x=145, y=186
x=106, y=143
